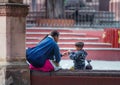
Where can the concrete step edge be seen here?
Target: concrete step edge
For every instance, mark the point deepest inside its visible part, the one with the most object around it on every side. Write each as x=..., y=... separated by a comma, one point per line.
x=92, y=49
x=62, y=28
x=50, y=28
x=63, y=33
x=86, y=43
x=98, y=49
x=81, y=38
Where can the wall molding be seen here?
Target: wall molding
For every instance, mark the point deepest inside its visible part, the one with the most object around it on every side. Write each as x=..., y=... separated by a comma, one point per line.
x=13, y=10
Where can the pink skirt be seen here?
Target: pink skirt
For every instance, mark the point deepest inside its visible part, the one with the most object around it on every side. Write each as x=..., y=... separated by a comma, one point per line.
x=46, y=68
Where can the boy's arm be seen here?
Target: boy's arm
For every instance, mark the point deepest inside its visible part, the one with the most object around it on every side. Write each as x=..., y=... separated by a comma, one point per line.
x=72, y=55
x=81, y=54
x=86, y=53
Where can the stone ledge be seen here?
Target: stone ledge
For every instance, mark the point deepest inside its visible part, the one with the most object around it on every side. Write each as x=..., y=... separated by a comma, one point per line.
x=67, y=77
x=12, y=73
x=12, y=59
x=14, y=65
x=13, y=9
x=90, y=73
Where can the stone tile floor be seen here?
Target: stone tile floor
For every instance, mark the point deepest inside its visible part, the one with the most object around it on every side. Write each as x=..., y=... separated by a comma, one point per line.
x=97, y=64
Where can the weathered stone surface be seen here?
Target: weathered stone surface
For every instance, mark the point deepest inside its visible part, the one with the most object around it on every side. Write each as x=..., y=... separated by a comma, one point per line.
x=13, y=69
x=13, y=9
x=11, y=1
x=11, y=47
x=93, y=73
x=76, y=77
x=12, y=31
x=15, y=73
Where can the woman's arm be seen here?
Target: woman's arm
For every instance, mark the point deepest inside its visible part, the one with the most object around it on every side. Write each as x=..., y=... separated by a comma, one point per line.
x=57, y=53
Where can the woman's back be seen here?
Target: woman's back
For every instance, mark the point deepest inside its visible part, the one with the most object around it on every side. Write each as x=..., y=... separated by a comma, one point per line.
x=44, y=50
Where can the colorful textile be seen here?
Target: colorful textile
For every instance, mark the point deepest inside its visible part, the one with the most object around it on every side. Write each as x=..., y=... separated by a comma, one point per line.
x=47, y=67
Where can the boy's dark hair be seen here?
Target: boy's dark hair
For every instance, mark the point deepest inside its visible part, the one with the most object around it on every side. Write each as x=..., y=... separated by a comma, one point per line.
x=54, y=33
x=79, y=44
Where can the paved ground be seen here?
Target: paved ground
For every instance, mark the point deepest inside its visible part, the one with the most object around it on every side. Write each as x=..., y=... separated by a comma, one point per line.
x=97, y=65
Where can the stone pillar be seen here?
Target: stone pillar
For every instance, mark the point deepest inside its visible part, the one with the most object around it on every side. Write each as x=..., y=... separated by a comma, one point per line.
x=13, y=68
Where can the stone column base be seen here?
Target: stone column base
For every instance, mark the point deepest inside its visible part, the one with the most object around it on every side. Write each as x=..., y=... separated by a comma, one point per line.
x=15, y=73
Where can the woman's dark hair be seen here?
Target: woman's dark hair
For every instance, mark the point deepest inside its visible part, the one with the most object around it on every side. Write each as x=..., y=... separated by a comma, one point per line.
x=54, y=33
x=44, y=37
x=79, y=44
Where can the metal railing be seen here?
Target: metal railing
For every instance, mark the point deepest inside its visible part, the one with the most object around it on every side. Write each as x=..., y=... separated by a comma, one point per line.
x=72, y=13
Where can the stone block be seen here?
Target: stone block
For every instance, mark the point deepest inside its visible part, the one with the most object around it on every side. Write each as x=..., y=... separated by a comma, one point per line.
x=15, y=73
x=12, y=31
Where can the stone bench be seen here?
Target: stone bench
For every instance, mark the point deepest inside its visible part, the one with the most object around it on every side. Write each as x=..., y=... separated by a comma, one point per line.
x=67, y=77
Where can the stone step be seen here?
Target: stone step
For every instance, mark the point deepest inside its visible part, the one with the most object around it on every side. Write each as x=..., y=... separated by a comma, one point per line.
x=92, y=39
x=65, y=29
x=71, y=44
x=67, y=38
x=87, y=44
x=108, y=54
x=47, y=29
x=80, y=40
x=90, y=32
x=63, y=40
x=63, y=34
x=85, y=32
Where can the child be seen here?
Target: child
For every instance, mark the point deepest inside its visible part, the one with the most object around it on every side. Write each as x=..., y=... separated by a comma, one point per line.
x=79, y=56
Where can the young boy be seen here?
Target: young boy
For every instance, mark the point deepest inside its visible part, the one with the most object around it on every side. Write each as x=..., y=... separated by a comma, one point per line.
x=79, y=56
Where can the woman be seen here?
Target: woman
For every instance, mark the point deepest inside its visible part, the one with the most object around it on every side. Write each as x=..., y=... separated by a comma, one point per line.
x=39, y=56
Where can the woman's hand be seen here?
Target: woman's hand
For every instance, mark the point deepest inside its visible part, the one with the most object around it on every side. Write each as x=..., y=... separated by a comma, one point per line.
x=66, y=53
